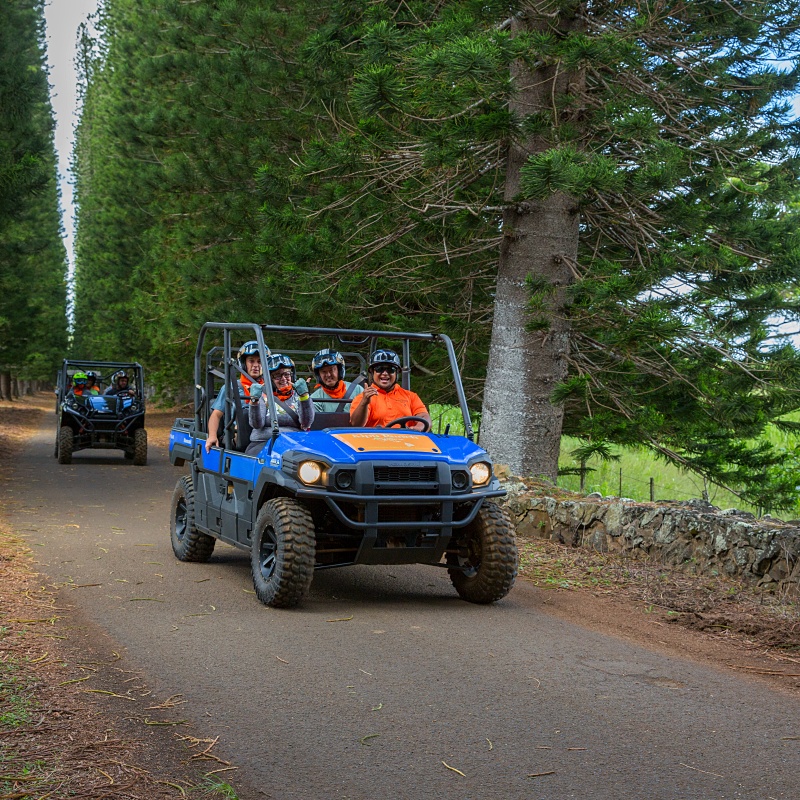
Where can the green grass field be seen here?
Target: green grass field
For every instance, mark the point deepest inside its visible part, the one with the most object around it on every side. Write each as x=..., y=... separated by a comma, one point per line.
x=637, y=467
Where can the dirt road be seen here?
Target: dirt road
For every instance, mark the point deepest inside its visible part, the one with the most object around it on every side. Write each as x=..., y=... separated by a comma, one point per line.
x=385, y=684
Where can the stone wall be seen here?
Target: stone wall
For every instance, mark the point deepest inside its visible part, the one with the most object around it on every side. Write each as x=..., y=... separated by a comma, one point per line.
x=693, y=535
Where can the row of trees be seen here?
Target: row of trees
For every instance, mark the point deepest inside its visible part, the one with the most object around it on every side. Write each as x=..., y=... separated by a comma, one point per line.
x=33, y=320
x=595, y=200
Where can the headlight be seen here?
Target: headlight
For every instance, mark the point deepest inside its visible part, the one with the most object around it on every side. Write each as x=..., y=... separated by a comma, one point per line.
x=309, y=472
x=480, y=473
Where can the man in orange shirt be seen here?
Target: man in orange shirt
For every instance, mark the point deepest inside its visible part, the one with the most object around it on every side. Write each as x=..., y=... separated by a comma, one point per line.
x=384, y=400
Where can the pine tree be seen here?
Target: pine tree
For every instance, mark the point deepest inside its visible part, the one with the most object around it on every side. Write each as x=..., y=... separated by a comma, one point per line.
x=32, y=255
x=184, y=102
x=617, y=174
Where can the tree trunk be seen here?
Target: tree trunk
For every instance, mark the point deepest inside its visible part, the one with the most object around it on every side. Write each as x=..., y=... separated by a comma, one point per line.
x=14, y=388
x=5, y=386
x=520, y=427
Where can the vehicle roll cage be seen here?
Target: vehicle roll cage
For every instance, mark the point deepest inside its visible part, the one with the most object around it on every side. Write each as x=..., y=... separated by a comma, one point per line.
x=205, y=370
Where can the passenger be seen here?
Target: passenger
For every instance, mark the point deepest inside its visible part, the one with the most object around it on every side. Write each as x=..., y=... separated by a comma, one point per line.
x=120, y=385
x=91, y=384
x=332, y=392
x=384, y=399
x=78, y=389
x=295, y=409
x=250, y=362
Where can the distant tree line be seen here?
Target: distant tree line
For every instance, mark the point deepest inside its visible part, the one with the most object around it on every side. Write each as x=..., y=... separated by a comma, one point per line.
x=597, y=201
x=33, y=296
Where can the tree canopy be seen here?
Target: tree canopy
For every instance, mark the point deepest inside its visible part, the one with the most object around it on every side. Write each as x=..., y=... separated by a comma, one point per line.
x=33, y=323
x=595, y=200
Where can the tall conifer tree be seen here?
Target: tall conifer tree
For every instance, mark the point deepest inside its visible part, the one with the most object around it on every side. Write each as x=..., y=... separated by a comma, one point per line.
x=32, y=255
x=617, y=174
x=184, y=102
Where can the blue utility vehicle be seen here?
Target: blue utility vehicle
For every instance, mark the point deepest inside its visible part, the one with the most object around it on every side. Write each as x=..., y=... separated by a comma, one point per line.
x=100, y=421
x=334, y=495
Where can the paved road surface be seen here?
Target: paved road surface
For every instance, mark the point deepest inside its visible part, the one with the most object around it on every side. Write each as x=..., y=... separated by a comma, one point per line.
x=312, y=704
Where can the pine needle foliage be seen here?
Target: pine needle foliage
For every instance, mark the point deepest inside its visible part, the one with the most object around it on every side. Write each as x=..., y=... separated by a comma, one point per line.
x=674, y=141
x=33, y=322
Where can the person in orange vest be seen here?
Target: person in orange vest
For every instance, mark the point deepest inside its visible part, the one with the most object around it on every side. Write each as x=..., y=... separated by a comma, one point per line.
x=91, y=384
x=79, y=380
x=253, y=374
x=384, y=400
x=332, y=392
x=294, y=407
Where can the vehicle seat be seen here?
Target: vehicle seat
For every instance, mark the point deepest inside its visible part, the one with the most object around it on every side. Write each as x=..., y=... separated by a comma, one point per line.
x=330, y=419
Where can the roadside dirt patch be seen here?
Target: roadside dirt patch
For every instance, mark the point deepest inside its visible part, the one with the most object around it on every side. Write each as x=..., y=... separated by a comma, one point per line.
x=718, y=621
x=71, y=720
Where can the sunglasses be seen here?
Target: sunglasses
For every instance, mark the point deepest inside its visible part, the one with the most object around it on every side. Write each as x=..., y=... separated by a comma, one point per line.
x=390, y=370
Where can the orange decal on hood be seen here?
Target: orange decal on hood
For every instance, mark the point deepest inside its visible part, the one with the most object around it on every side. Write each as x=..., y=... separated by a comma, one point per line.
x=385, y=441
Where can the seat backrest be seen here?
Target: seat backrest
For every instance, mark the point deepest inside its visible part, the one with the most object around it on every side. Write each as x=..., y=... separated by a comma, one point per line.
x=243, y=431
x=330, y=419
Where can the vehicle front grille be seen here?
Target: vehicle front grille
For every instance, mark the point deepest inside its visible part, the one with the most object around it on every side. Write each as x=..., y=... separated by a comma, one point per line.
x=405, y=474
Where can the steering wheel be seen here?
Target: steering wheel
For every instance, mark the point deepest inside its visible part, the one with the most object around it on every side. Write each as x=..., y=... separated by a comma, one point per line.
x=403, y=420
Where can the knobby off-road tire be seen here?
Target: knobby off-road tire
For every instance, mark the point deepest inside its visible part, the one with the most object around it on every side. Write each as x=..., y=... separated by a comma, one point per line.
x=139, y=447
x=188, y=543
x=487, y=548
x=65, y=443
x=282, y=553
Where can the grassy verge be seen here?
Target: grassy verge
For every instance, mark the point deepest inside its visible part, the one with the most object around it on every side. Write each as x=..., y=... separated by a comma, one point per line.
x=635, y=472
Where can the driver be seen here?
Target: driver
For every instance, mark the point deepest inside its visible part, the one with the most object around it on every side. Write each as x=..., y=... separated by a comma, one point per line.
x=120, y=385
x=383, y=400
x=253, y=375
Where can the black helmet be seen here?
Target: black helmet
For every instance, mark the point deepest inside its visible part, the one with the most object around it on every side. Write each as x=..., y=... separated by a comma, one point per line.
x=119, y=375
x=385, y=357
x=249, y=349
x=328, y=357
x=279, y=360
x=91, y=374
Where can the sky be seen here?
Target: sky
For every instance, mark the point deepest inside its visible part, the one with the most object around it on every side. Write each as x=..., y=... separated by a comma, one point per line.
x=62, y=18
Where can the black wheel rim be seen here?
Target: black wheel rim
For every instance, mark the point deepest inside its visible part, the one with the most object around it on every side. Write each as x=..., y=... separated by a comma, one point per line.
x=469, y=557
x=180, y=519
x=267, y=553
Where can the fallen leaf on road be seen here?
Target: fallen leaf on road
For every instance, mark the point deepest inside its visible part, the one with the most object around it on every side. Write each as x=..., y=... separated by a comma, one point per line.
x=539, y=774
x=453, y=769
x=363, y=739
x=341, y=619
x=76, y=680
x=111, y=694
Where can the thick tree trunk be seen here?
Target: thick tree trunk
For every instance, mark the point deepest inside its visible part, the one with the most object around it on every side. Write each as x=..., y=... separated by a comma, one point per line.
x=14, y=388
x=520, y=427
x=5, y=386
